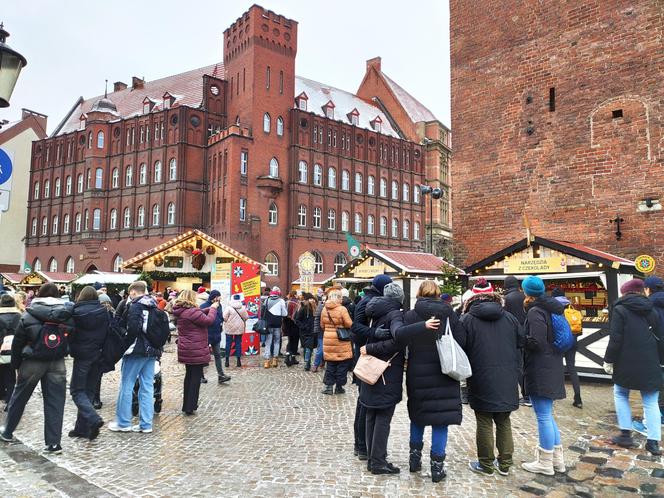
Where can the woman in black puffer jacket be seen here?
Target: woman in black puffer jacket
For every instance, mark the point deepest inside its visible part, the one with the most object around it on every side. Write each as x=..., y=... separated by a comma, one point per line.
x=304, y=318
x=433, y=398
x=9, y=318
x=92, y=320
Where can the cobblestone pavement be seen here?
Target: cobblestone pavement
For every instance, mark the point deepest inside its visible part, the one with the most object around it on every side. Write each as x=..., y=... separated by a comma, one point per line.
x=271, y=433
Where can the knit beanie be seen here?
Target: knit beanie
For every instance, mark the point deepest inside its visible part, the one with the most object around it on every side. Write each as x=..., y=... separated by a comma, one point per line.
x=201, y=290
x=380, y=281
x=533, y=286
x=511, y=282
x=394, y=291
x=103, y=298
x=482, y=286
x=654, y=284
x=214, y=294
x=97, y=286
x=635, y=285
x=557, y=292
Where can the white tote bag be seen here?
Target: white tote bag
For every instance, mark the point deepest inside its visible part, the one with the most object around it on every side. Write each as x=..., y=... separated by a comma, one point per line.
x=453, y=360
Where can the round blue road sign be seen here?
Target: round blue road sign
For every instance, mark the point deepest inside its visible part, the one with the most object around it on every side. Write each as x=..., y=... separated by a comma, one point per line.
x=5, y=167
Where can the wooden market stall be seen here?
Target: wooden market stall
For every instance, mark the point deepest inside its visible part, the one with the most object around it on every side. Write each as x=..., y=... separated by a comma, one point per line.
x=34, y=280
x=589, y=278
x=408, y=268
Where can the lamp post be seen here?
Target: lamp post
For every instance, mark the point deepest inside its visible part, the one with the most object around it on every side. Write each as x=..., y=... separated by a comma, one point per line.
x=433, y=193
x=11, y=63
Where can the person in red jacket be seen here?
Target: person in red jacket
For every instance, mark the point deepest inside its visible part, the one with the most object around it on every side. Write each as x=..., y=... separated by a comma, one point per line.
x=192, y=324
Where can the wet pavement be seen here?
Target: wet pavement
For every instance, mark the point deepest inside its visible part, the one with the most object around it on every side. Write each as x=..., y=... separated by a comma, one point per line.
x=271, y=433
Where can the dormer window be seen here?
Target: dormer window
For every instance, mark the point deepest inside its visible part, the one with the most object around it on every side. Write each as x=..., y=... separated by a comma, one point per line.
x=301, y=101
x=354, y=117
x=82, y=120
x=377, y=124
x=148, y=104
x=168, y=100
x=328, y=109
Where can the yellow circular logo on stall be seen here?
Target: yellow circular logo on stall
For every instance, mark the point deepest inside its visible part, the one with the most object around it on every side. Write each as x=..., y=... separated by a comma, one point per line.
x=645, y=263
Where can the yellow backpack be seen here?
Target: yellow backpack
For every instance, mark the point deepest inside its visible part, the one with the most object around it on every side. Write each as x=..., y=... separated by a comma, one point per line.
x=575, y=320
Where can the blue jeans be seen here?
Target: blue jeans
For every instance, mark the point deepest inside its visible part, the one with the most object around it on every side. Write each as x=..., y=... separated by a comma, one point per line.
x=549, y=435
x=141, y=368
x=650, y=411
x=233, y=339
x=272, y=343
x=318, y=357
x=438, y=437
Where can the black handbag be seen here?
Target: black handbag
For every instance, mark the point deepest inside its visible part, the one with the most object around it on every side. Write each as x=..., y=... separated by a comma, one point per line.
x=260, y=326
x=343, y=334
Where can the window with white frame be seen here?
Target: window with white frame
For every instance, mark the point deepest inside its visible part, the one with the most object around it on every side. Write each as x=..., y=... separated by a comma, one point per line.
x=329, y=112
x=89, y=140
x=272, y=214
x=280, y=126
x=117, y=263
x=53, y=265
x=96, y=219
x=371, y=222
x=416, y=230
x=44, y=226
x=358, y=183
x=65, y=224
x=86, y=220
x=383, y=187
x=244, y=162
x=331, y=178
x=172, y=169
x=100, y=140
x=302, y=104
x=266, y=123
x=47, y=189
x=170, y=214
x=395, y=190
x=358, y=223
x=318, y=262
x=302, y=215
x=68, y=186
x=406, y=192
x=317, y=217
x=302, y=172
x=88, y=179
x=99, y=178
x=405, y=228
x=345, y=221
x=69, y=265
x=156, y=177
x=57, y=187
x=416, y=194
x=274, y=168
x=140, y=217
x=113, y=219
x=395, y=228
x=243, y=209
x=36, y=265
x=115, y=178
x=77, y=222
x=272, y=264
x=129, y=176
x=340, y=261
x=35, y=193
x=331, y=219
x=155, y=215
x=54, y=227
x=318, y=175
x=345, y=180
x=127, y=218
x=33, y=231
x=143, y=174
x=354, y=119
x=383, y=226
x=371, y=185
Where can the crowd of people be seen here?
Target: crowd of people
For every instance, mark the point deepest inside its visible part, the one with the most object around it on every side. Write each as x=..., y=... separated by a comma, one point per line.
x=509, y=339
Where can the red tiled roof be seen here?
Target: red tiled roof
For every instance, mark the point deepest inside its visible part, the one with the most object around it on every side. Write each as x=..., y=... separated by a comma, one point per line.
x=415, y=262
x=594, y=252
x=187, y=87
x=415, y=109
x=58, y=276
x=14, y=277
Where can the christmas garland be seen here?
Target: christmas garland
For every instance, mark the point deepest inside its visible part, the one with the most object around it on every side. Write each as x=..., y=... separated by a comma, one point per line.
x=167, y=275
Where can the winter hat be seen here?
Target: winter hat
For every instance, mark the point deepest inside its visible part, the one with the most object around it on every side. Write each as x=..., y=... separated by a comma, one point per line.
x=511, y=282
x=482, y=286
x=237, y=297
x=276, y=291
x=635, y=285
x=533, y=286
x=394, y=291
x=380, y=281
x=344, y=292
x=103, y=298
x=446, y=298
x=654, y=283
x=214, y=294
x=557, y=292
x=97, y=286
x=201, y=290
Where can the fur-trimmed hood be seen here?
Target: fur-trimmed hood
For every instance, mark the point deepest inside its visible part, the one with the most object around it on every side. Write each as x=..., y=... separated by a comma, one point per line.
x=488, y=297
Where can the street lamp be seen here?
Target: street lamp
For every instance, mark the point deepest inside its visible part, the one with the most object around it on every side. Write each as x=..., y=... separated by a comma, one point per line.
x=433, y=193
x=11, y=63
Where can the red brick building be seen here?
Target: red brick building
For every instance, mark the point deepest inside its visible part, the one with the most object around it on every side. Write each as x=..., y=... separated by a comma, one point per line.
x=557, y=109
x=267, y=162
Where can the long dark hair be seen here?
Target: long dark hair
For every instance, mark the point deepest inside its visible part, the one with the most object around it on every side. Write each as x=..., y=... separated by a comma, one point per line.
x=48, y=290
x=88, y=293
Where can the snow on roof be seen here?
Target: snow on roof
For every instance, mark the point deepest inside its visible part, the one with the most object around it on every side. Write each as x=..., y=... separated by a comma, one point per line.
x=188, y=86
x=320, y=94
x=416, y=262
x=107, y=278
x=411, y=105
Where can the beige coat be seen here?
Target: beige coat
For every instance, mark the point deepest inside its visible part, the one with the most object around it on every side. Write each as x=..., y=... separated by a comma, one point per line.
x=335, y=315
x=235, y=316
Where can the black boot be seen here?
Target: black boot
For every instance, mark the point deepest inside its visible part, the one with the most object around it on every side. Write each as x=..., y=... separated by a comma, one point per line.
x=577, y=402
x=653, y=447
x=437, y=467
x=289, y=360
x=415, y=459
x=327, y=390
x=227, y=362
x=624, y=439
x=239, y=363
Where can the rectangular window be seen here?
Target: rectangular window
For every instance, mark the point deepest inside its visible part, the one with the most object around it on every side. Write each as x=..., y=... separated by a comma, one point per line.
x=244, y=162
x=315, y=134
x=281, y=82
x=552, y=99
x=267, y=78
x=243, y=209
x=334, y=139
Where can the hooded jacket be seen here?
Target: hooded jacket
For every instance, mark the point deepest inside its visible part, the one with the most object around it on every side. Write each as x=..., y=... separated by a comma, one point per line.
x=543, y=366
x=193, y=326
x=361, y=330
x=333, y=316
x=92, y=320
x=636, y=344
x=305, y=320
x=494, y=338
x=135, y=318
x=235, y=316
x=41, y=309
x=514, y=303
x=9, y=318
x=214, y=330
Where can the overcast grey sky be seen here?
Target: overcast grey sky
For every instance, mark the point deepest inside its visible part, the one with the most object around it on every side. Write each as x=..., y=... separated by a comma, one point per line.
x=72, y=46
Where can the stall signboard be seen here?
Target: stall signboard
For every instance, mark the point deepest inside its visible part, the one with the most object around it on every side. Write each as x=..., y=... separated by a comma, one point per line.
x=367, y=270
x=557, y=264
x=306, y=265
x=220, y=280
x=189, y=280
x=246, y=281
x=645, y=264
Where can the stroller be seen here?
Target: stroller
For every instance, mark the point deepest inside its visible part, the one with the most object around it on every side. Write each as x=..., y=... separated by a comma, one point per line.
x=157, y=391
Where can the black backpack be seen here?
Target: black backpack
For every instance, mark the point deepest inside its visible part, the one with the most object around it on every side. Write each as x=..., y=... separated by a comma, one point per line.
x=158, y=331
x=51, y=342
x=115, y=345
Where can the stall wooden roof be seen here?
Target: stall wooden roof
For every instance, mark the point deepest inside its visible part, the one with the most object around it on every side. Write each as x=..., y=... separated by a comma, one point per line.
x=406, y=262
x=13, y=278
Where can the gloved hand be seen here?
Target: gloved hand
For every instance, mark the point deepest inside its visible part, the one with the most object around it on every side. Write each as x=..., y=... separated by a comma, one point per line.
x=608, y=368
x=382, y=333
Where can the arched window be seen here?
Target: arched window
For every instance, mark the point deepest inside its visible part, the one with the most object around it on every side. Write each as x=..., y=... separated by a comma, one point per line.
x=88, y=179
x=33, y=230
x=331, y=178
x=172, y=169
x=89, y=140
x=318, y=175
x=65, y=224
x=96, y=219
x=272, y=214
x=274, y=168
x=77, y=223
x=143, y=174
x=155, y=215
x=266, y=123
x=358, y=183
x=416, y=194
x=127, y=218
x=345, y=220
x=115, y=178
x=117, y=263
x=317, y=217
x=113, y=219
x=35, y=193
x=156, y=177
x=129, y=176
x=99, y=178
x=331, y=219
x=280, y=126
x=140, y=218
x=302, y=215
x=36, y=265
x=170, y=214
x=55, y=224
x=86, y=220
x=68, y=186
x=345, y=180
x=100, y=140
x=69, y=264
x=302, y=172
x=57, y=187
x=406, y=229
x=383, y=226
x=47, y=189
x=371, y=224
x=395, y=190
x=44, y=226
x=371, y=185
x=383, y=187
x=53, y=265
x=318, y=264
x=395, y=228
x=339, y=261
x=406, y=192
x=416, y=230
x=358, y=223
x=272, y=263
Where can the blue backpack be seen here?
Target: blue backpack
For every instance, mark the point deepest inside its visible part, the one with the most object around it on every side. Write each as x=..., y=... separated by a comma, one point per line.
x=563, y=340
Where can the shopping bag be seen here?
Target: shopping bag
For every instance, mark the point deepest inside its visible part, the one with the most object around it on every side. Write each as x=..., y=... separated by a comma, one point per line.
x=369, y=368
x=453, y=360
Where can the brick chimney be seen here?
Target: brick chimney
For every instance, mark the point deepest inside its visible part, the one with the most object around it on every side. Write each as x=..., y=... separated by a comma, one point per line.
x=119, y=85
x=137, y=82
x=374, y=63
